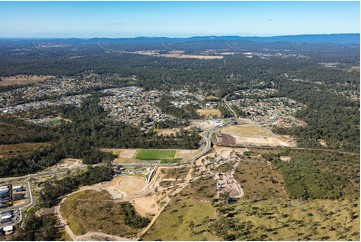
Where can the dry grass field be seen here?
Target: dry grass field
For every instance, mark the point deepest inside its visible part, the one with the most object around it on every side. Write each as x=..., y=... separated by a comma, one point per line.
x=265, y=212
x=22, y=79
x=259, y=180
x=209, y=112
x=189, y=216
x=94, y=211
x=186, y=154
x=16, y=149
x=247, y=130
x=315, y=220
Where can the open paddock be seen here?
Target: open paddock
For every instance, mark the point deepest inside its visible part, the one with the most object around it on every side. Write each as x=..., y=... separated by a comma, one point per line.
x=22, y=79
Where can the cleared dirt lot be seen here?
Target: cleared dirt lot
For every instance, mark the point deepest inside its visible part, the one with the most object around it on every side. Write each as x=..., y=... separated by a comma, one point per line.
x=252, y=135
x=261, y=141
x=177, y=54
x=202, y=124
x=167, y=132
x=130, y=184
x=22, y=79
x=133, y=189
x=66, y=163
x=122, y=186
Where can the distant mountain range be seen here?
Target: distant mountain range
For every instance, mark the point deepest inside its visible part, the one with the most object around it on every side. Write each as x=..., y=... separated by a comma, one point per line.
x=307, y=38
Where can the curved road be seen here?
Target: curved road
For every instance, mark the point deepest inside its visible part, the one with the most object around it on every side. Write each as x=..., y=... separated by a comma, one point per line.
x=229, y=107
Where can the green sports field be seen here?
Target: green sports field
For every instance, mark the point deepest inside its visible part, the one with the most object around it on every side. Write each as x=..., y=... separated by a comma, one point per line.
x=155, y=154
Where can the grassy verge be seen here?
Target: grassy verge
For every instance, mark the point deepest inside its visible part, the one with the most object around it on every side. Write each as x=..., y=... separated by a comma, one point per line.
x=170, y=161
x=155, y=154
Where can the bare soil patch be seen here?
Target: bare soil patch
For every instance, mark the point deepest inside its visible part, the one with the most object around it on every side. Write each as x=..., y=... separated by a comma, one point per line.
x=226, y=139
x=202, y=124
x=133, y=189
x=67, y=163
x=167, y=132
x=177, y=54
x=252, y=135
x=130, y=184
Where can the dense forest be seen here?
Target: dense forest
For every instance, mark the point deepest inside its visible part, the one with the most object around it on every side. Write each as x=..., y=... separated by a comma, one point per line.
x=38, y=228
x=329, y=116
x=318, y=175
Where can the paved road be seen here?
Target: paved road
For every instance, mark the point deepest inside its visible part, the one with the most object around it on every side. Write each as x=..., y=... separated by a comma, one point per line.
x=46, y=173
x=207, y=135
x=229, y=107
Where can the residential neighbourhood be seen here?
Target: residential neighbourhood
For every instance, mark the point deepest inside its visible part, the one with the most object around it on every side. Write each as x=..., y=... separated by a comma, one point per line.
x=58, y=86
x=270, y=112
x=133, y=106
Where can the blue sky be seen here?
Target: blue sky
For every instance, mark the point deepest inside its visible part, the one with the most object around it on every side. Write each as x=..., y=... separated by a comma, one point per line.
x=176, y=19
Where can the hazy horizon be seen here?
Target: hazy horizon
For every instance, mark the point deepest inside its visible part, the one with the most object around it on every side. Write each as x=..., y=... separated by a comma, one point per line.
x=185, y=37
x=175, y=19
